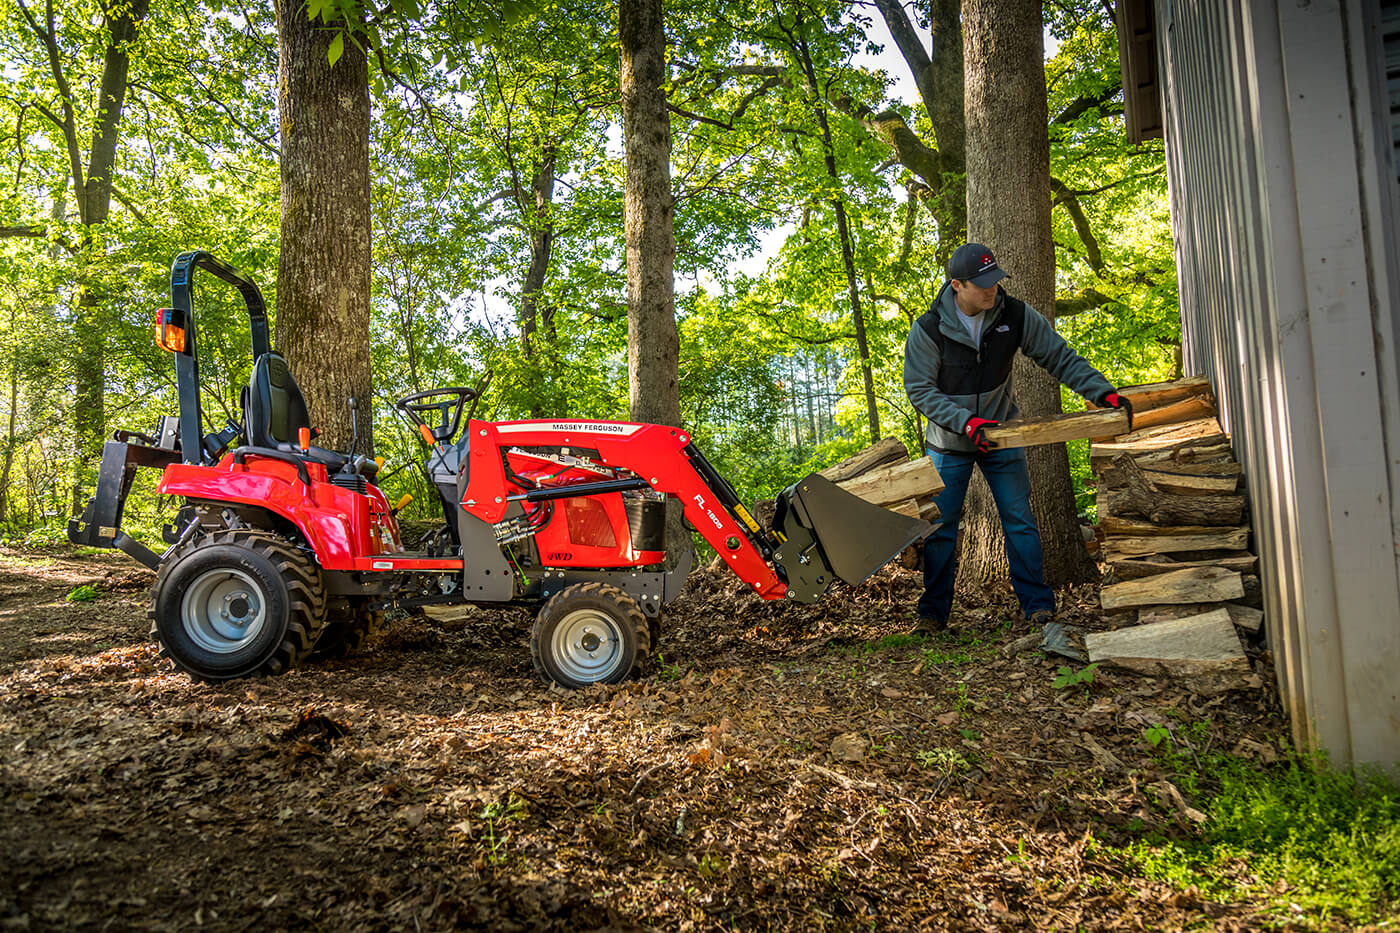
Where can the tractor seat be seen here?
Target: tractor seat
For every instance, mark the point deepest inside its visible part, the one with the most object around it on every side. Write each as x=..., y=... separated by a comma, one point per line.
x=276, y=412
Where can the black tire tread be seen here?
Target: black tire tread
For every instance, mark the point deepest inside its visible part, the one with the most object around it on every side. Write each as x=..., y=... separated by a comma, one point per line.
x=306, y=598
x=348, y=628
x=629, y=611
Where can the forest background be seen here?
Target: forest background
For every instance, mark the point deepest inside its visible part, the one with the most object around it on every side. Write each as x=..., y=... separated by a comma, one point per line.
x=496, y=199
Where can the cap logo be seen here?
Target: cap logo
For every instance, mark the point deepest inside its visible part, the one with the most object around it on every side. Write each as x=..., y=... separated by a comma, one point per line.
x=987, y=261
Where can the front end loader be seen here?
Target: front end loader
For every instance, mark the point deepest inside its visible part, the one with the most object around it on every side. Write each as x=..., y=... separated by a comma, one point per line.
x=284, y=551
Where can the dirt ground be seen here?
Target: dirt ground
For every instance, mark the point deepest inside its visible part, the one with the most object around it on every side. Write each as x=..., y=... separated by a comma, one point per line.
x=780, y=767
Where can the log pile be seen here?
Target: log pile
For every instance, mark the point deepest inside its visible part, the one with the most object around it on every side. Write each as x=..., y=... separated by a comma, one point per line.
x=1174, y=534
x=884, y=475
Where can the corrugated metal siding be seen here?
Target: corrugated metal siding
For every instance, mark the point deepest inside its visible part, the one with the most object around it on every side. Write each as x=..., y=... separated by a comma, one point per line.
x=1285, y=261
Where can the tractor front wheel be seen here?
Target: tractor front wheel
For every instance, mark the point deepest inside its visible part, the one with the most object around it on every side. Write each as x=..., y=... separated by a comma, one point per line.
x=237, y=604
x=589, y=633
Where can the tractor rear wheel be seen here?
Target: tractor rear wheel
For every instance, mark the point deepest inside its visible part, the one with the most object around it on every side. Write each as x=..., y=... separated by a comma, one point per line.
x=589, y=633
x=349, y=624
x=237, y=604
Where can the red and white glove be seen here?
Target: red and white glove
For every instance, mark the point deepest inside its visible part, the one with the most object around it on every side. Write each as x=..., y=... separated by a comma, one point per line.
x=1114, y=400
x=974, y=430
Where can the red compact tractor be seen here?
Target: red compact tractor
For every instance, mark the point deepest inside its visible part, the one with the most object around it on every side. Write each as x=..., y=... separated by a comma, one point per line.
x=283, y=550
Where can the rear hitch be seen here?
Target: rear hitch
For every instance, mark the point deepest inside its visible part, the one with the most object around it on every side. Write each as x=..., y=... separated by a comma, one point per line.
x=101, y=521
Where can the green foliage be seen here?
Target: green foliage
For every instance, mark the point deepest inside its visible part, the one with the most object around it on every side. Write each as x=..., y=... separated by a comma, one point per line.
x=497, y=149
x=1316, y=842
x=82, y=594
x=1156, y=734
x=1068, y=677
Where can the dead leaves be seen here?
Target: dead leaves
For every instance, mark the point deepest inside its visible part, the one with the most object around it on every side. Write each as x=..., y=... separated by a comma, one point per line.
x=434, y=784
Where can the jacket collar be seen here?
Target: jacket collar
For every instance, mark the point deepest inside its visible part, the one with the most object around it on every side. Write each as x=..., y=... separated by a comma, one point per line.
x=946, y=302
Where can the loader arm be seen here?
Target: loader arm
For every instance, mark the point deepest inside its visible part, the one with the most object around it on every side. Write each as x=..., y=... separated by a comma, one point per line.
x=820, y=533
x=655, y=452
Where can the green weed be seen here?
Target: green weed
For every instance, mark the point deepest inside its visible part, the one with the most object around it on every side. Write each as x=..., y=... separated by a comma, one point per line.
x=82, y=594
x=1312, y=842
x=943, y=760
x=1068, y=677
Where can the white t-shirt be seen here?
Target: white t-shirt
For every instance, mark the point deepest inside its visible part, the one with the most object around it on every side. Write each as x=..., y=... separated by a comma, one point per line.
x=973, y=323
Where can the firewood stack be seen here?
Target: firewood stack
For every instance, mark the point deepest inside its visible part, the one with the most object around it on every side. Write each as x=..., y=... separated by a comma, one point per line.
x=884, y=474
x=1174, y=532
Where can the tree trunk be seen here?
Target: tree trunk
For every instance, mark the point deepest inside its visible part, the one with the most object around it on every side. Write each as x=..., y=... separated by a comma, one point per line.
x=92, y=189
x=540, y=224
x=653, y=345
x=1008, y=198
x=938, y=74
x=323, y=272
x=804, y=55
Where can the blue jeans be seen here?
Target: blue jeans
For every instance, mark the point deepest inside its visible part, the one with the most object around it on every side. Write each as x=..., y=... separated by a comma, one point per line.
x=1009, y=480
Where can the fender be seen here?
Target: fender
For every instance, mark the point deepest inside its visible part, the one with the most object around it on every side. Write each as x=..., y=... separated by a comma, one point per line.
x=337, y=523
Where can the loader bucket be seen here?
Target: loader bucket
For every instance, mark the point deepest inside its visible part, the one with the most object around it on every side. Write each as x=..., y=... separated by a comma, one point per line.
x=831, y=535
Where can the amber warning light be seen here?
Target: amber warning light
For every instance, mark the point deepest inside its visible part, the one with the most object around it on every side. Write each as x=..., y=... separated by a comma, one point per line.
x=169, y=336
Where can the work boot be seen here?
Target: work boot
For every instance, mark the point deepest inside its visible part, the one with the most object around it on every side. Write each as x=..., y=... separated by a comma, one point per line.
x=928, y=626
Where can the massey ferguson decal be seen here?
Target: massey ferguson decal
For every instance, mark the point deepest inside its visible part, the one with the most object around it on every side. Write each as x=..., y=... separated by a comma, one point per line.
x=571, y=427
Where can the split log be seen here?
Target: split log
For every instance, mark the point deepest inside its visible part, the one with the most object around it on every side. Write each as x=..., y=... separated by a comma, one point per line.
x=888, y=451
x=1101, y=454
x=1203, y=453
x=1193, y=585
x=1141, y=498
x=909, y=507
x=1166, y=434
x=1156, y=394
x=1136, y=569
x=1186, y=484
x=1129, y=527
x=1174, y=459
x=1204, y=642
x=1191, y=409
x=1245, y=617
x=1215, y=468
x=1233, y=539
x=1058, y=428
x=895, y=483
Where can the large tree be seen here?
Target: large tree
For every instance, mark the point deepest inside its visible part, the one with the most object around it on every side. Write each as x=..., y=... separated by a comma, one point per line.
x=91, y=175
x=1008, y=197
x=653, y=347
x=323, y=272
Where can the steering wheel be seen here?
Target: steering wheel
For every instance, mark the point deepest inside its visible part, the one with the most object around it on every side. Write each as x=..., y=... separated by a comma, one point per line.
x=451, y=400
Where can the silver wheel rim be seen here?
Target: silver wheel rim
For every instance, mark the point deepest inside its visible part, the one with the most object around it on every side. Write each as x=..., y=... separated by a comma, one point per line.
x=223, y=610
x=587, y=646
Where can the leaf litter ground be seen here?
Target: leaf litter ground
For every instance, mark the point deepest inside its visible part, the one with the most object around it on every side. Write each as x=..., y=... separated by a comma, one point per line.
x=778, y=767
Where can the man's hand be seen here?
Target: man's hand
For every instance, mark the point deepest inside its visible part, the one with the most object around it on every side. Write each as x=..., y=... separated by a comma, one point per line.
x=1114, y=400
x=974, y=430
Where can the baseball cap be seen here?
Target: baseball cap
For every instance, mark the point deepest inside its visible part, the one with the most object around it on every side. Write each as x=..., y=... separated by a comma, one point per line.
x=973, y=262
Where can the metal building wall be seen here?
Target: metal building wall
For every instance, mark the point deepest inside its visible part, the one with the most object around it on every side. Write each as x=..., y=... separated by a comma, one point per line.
x=1284, y=199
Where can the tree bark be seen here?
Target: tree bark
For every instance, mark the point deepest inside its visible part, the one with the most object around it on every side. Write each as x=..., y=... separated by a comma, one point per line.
x=653, y=345
x=540, y=224
x=938, y=75
x=323, y=272
x=1008, y=201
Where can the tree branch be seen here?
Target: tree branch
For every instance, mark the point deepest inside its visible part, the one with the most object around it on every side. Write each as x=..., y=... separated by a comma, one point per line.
x=67, y=124
x=1081, y=224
